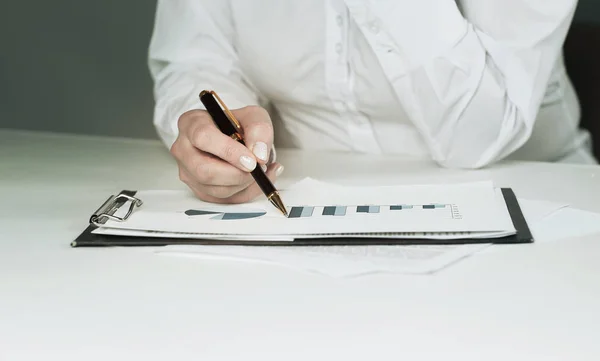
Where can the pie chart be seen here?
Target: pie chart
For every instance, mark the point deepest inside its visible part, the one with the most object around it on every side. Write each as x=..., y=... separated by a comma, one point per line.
x=225, y=214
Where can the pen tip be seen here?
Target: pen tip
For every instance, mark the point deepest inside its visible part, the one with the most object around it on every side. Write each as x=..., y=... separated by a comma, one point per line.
x=281, y=208
x=278, y=203
x=203, y=93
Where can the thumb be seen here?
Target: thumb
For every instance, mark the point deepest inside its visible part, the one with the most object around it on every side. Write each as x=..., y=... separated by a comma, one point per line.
x=257, y=131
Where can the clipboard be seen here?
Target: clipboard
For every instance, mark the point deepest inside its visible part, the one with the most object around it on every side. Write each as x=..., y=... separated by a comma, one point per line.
x=114, y=203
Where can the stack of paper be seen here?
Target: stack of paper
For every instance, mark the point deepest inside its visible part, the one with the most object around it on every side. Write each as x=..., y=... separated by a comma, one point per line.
x=319, y=209
x=322, y=210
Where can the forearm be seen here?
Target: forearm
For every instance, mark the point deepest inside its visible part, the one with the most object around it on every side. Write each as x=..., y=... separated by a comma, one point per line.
x=176, y=92
x=192, y=50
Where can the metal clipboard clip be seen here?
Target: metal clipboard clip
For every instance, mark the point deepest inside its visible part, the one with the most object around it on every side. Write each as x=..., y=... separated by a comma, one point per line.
x=112, y=205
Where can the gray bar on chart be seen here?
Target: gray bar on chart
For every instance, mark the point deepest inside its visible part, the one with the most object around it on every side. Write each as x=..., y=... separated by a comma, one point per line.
x=329, y=211
x=400, y=207
x=367, y=209
x=340, y=211
x=440, y=206
x=429, y=206
x=362, y=209
x=299, y=212
x=296, y=212
x=307, y=212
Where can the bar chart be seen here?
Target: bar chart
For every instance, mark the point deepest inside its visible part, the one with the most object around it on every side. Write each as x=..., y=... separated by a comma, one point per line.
x=439, y=210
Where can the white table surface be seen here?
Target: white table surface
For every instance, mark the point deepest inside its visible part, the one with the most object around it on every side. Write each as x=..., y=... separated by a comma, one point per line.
x=525, y=302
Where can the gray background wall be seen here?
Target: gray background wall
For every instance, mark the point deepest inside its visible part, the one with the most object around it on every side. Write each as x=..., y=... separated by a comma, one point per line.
x=80, y=66
x=76, y=66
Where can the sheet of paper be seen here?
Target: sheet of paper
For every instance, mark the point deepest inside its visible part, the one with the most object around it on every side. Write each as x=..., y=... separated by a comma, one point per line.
x=535, y=210
x=529, y=208
x=326, y=210
x=336, y=261
x=566, y=223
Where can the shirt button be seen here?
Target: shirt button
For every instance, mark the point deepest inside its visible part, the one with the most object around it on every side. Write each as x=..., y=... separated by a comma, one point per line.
x=374, y=27
x=338, y=48
x=339, y=20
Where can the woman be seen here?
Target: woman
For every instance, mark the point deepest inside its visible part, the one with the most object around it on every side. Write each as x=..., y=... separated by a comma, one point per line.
x=465, y=83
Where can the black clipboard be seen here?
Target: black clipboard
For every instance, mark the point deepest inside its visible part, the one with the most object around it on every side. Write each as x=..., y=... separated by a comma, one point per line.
x=114, y=203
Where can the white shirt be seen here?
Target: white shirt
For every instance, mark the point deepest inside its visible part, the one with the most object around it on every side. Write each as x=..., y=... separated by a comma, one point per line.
x=466, y=83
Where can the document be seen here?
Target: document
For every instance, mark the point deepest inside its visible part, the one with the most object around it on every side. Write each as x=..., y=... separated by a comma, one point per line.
x=319, y=210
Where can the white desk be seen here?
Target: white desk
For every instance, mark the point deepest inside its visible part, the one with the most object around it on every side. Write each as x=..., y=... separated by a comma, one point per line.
x=529, y=302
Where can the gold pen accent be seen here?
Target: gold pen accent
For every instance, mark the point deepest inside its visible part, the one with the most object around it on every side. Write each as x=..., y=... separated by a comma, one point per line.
x=235, y=122
x=275, y=200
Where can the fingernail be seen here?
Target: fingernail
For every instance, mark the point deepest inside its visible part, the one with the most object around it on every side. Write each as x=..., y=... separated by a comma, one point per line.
x=279, y=171
x=260, y=150
x=263, y=167
x=247, y=162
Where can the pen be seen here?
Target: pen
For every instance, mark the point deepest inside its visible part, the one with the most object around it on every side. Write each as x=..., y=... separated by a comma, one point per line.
x=231, y=127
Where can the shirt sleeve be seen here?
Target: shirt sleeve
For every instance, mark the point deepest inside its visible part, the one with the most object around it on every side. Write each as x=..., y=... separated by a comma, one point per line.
x=192, y=49
x=471, y=74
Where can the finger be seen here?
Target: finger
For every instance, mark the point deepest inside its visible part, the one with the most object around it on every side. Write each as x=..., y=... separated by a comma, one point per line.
x=254, y=191
x=245, y=195
x=258, y=131
x=201, y=194
x=217, y=191
x=208, y=138
x=207, y=170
